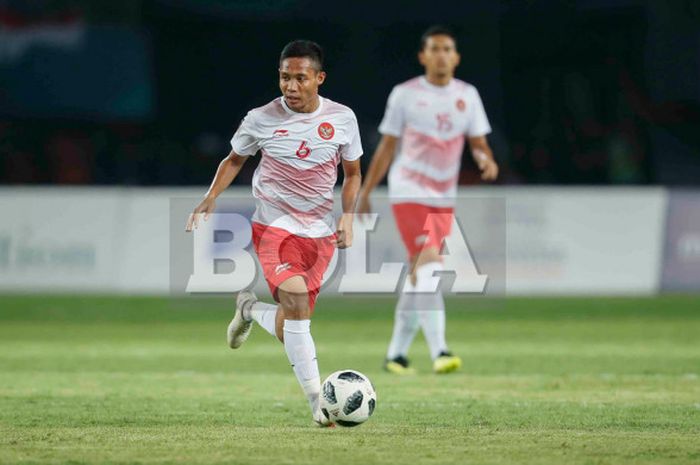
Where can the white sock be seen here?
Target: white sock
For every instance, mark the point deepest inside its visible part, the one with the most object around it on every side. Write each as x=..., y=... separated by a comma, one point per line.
x=405, y=324
x=431, y=308
x=301, y=352
x=264, y=314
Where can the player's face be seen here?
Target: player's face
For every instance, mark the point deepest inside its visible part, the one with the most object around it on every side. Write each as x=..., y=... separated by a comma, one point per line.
x=439, y=56
x=299, y=82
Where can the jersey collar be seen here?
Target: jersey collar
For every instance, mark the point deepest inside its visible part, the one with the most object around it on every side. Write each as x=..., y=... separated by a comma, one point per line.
x=424, y=81
x=313, y=113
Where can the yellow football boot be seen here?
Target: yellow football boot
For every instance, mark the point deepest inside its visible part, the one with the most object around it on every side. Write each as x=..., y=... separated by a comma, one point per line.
x=399, y=366
x=446, y=363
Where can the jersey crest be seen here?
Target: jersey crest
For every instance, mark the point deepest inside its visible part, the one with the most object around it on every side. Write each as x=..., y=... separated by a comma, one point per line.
x=326, y=131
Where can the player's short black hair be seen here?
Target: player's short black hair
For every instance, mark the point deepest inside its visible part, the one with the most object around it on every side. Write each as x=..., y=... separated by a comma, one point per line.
x=304, y=49
x=436, y=30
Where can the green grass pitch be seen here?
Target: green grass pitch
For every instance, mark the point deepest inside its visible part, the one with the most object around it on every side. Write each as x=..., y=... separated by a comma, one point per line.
x=545, y=380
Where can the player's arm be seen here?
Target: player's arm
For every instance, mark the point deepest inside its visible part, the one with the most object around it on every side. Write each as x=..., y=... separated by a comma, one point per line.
x=225, y=174
x=483, y=156
x=381, y=160
x=351, y=187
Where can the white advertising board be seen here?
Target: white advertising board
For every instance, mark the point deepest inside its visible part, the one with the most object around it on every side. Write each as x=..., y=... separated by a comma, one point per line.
x=131, y=240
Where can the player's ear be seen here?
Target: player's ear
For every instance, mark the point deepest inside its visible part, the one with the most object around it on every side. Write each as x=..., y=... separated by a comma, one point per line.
x=421, y=58
x=459, y=58
x=320, y=77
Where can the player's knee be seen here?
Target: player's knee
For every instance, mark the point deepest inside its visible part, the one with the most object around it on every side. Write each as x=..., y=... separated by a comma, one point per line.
x=294, y=299
x=427, y=255
x=295, y=306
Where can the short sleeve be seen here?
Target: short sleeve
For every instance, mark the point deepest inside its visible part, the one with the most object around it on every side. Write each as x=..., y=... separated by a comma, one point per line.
x=393, y=121
x=352, y=150
x=244, y=141
x=478, y=122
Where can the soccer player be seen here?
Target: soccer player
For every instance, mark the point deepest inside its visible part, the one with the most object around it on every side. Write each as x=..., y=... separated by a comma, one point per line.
x=423, y=132
x=302, y=137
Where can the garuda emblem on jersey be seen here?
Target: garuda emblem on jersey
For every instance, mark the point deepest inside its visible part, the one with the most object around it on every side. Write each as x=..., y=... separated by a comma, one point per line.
x=326, y=131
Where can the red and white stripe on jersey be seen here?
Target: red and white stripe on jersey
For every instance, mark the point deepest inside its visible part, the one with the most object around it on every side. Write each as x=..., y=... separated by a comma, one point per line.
x=293, y=184
x=431, y=123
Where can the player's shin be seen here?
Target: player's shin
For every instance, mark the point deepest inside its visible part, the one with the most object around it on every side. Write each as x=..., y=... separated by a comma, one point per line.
x=301, y=352
x=405, y=326
x=432, y=322
x=431, y=308
x=264, y=314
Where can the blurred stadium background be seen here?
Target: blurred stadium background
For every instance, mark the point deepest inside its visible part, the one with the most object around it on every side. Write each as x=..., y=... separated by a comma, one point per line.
x=110, y=110
x=148, y=92
x=107, y=96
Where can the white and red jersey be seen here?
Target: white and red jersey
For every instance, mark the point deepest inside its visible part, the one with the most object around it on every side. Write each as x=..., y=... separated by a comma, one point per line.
x=431, y=123
x=293, y=184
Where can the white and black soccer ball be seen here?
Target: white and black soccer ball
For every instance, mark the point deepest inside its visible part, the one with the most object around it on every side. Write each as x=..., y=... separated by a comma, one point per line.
x=348, y=398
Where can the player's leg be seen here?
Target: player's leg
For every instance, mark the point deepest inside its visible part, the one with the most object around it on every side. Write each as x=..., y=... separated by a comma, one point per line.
x=405, y=316
x=266, y=315
x=267, y=242
x=298, y=342
x=405, y=329
x=431, y=303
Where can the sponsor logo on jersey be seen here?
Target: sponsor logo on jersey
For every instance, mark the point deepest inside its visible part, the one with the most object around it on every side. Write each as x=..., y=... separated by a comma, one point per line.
x=282, y=267
x=461, y=104
x=326, y=131
x=280, y=133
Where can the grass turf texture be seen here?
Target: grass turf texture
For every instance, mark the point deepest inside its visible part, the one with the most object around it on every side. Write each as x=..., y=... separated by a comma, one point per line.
x=148, y=380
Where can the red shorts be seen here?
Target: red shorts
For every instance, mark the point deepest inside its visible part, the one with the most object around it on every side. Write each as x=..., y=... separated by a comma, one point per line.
x=422, y=226
x=283, y=255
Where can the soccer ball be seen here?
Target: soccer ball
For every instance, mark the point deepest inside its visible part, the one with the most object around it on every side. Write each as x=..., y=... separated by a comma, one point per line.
x=348, y=398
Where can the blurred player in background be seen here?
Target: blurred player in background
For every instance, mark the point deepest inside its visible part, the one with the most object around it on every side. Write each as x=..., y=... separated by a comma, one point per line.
x=423, y=131
x=302, y=137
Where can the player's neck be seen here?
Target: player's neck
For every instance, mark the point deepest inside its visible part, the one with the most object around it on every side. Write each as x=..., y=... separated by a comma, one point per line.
x=438, y=80
x=311, y=107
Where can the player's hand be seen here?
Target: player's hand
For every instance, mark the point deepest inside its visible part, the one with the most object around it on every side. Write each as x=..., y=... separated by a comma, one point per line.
x=344, y=233
x=206, y=208
x=364, y=207
x=487, y=166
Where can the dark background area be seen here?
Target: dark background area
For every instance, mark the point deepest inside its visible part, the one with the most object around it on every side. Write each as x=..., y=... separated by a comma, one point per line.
x=148, y=92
